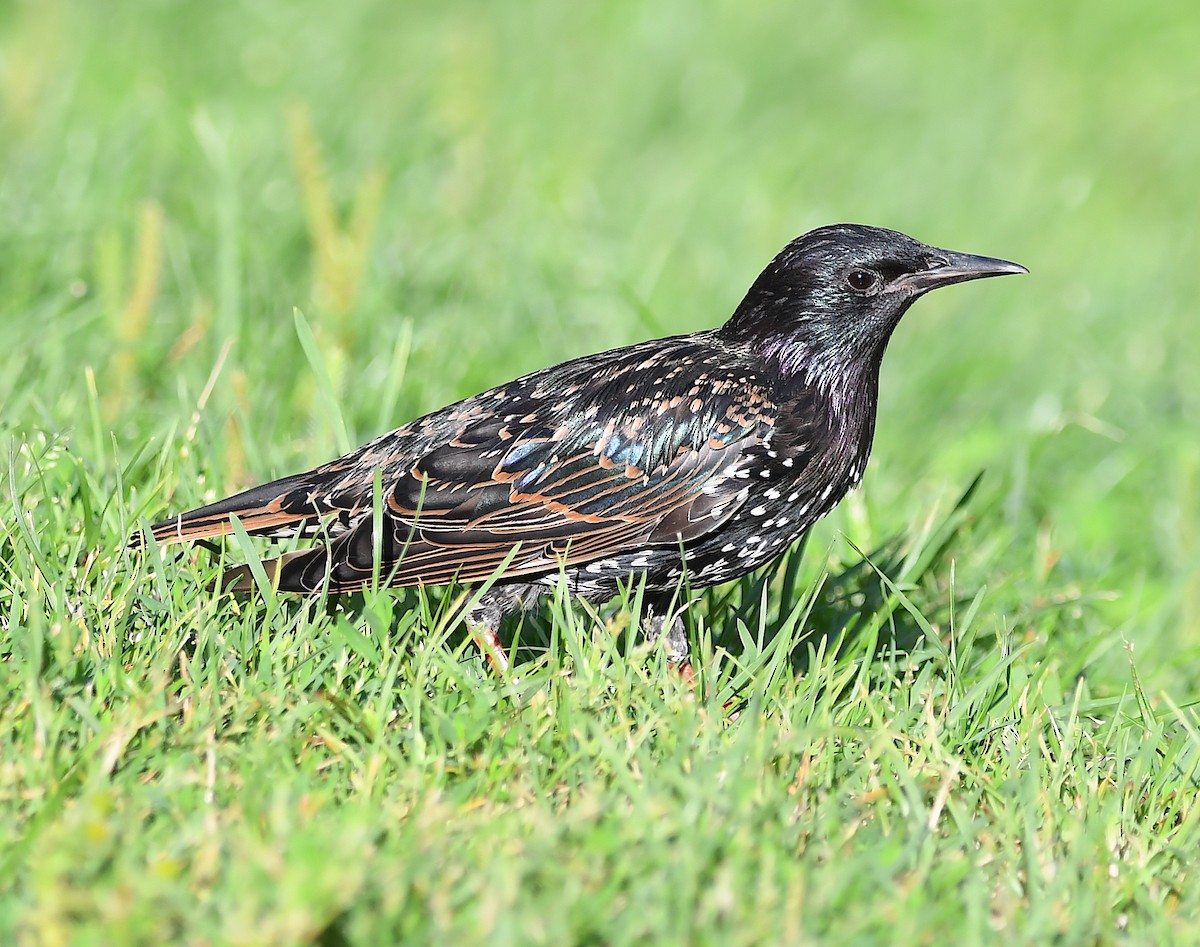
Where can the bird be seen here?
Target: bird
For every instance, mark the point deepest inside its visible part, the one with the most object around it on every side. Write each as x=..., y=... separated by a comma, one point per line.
x=705, y=454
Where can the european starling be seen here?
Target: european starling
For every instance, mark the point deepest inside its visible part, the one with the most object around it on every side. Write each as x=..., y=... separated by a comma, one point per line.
x=712, y=451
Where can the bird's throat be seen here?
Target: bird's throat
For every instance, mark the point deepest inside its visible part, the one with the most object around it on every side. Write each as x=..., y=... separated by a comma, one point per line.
x=846, y=387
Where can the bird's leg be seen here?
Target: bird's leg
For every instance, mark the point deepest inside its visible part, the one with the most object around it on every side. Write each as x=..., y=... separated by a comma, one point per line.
x=655, y=627
x=491, y=647
x=483, y=620
x=656, y=624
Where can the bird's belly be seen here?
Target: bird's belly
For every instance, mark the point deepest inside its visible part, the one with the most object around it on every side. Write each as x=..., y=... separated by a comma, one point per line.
x=761, y=530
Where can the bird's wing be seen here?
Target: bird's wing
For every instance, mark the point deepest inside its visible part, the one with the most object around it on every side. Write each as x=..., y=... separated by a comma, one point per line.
x=634, y=451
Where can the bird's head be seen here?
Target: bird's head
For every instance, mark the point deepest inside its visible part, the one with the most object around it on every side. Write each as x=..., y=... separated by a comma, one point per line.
x=832, y=297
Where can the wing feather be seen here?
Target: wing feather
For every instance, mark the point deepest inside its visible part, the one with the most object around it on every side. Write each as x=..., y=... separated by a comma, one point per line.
x=635, y=447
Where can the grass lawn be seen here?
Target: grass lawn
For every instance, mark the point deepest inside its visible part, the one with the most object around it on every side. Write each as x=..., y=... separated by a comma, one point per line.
x=238, y=238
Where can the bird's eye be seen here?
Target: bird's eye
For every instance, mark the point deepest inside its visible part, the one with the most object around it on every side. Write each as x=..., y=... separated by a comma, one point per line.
x=861, y=280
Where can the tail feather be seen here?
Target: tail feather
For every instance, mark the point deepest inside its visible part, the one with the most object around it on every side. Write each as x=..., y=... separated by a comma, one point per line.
x=260, y=509
x=240, y=579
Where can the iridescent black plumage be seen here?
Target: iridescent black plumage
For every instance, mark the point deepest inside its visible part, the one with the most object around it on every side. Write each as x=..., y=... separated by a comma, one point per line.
x=717, y=448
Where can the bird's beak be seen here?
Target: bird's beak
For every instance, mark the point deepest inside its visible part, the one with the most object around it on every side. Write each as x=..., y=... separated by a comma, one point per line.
x=948, y=266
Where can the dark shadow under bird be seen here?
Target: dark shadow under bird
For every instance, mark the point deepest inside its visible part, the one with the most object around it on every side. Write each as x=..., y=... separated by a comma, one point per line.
x=712, y=451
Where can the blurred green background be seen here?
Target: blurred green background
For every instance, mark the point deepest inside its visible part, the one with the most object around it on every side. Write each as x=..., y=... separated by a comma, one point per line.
x=539, y=180
x=456, y=193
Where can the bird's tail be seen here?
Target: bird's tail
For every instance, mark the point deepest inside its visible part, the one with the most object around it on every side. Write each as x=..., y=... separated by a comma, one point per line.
x=265, y=509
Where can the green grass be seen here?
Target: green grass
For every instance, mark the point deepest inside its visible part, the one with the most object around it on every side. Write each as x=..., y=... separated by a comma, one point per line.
x=963, y=714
